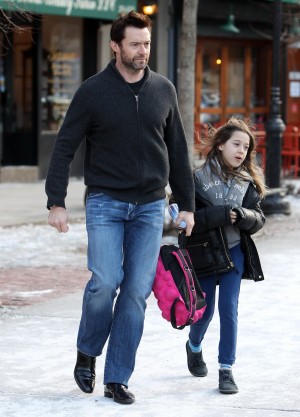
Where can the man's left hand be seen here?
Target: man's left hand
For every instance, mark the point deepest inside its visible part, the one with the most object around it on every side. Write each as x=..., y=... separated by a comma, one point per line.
x=188, y=217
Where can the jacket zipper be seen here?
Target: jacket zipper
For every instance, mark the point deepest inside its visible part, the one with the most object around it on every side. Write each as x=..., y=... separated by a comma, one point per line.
x=222, y=237
x=250, y=258
x=137, y=116
x=226, y=253
x=137, y=102
x=199, y=244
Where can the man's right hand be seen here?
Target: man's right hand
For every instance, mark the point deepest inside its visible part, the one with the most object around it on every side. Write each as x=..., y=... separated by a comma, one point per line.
x=58, y=218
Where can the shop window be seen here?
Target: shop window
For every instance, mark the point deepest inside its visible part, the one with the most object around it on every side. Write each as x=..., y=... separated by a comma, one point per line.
x=211, y=81
x=292, y=107
x=62, y=67
x=21, y=105
x=235, y=77
x=2, y=89
x=232, y=78
x=258, y=84
x=2, y=75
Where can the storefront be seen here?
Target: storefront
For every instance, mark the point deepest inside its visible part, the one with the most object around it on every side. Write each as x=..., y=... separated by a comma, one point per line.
x=232, y=81
x=43, y=60
x=234, y=60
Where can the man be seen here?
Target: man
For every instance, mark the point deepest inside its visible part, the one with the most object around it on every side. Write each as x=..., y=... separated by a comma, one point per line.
x=135, y=142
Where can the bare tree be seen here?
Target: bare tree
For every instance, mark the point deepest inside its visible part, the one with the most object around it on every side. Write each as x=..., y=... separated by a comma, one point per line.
x=186, y=70
x=7, y=23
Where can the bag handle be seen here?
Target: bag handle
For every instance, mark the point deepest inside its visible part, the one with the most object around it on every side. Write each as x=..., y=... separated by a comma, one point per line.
x=173, y=317
x=180, y=255
x=182, y=239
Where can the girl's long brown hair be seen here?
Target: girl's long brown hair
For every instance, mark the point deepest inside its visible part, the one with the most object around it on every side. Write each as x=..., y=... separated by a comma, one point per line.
x=216, y=137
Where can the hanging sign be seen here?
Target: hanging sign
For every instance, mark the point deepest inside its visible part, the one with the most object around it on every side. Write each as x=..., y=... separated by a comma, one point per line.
x=97, y=9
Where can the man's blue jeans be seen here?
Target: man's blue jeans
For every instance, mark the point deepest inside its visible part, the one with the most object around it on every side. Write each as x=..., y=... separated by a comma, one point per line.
x=229, y=290
x=123, y=246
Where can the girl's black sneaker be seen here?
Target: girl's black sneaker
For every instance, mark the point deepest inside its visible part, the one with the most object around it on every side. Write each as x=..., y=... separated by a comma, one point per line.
x=195, y=362
x=226, y=382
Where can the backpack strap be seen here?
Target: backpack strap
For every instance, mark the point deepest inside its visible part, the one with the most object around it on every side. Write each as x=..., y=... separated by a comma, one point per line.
x=173, y=317
x=182, y=239
x=185, y=263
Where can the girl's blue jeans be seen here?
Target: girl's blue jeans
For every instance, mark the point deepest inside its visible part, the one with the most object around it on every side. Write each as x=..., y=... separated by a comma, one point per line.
x=123, y=246
x=229, y=290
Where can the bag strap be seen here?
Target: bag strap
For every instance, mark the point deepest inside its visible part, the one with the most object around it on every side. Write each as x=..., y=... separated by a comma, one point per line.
x=188, y=272
x=181, y=255
x=173, y=317
x=182, y=239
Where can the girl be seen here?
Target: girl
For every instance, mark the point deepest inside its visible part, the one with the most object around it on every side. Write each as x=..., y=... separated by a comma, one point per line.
x=229, y=187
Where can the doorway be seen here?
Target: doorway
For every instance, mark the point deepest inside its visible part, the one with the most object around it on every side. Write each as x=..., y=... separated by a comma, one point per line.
x=18, y=98
x=232, y=78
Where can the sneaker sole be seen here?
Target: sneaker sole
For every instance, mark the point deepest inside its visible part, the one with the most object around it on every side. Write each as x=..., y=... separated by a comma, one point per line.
x=199, y=375
x=229, y=391
x=192, y=373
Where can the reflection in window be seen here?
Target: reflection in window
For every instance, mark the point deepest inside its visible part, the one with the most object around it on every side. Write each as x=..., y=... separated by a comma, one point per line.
x=235, y=77
x=2, y=92
x=221, y=78
x=211, y=79
x=21, y=117
x=62, y=51
x=259, y=86
x=2, y=75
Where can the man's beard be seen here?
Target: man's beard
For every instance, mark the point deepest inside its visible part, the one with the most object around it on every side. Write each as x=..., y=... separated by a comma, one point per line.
x=131, y=64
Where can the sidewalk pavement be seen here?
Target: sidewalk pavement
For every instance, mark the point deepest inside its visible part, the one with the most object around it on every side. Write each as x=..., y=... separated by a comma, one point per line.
x=37, y=344
x=23, y=203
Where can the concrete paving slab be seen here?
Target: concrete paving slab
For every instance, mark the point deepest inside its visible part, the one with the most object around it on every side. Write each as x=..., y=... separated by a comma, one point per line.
x=23, y=203
x=38, y=341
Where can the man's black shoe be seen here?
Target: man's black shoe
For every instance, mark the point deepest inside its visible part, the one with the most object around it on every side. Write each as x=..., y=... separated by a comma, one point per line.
x=226, y=382
x=84, y=372
x=119, y=393
x=195, y=362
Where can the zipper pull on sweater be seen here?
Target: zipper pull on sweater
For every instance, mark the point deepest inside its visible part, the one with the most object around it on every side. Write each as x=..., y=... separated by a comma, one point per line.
x=137, y=101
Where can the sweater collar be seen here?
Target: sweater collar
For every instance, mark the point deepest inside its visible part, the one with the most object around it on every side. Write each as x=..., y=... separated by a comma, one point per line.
x=112, y=66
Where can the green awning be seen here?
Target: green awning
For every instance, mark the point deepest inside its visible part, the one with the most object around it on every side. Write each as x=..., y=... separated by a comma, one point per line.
x=97, y=9
x=288, y=1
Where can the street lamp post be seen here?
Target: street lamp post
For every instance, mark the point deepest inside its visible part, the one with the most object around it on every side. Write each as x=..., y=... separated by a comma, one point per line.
x=274, y=203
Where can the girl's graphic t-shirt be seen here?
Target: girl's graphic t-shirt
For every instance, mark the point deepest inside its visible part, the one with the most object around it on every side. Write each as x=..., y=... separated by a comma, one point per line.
x=220, y=193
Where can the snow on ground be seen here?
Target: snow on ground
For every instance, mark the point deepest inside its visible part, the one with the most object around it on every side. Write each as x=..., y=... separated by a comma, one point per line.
x=34, y=245
x=37, y=343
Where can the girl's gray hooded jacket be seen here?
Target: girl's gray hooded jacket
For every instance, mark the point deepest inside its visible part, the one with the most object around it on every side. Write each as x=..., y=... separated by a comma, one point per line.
x=208, y=244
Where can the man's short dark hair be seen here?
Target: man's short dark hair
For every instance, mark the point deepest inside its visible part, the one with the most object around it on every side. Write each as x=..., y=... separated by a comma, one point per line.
x=134, y=19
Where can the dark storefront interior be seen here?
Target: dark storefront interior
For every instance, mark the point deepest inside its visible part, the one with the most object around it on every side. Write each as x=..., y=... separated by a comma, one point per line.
x=46, y=57
x=41, y=66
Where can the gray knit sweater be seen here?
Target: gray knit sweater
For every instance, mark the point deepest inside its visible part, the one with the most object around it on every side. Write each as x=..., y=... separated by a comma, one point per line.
x=133, y=144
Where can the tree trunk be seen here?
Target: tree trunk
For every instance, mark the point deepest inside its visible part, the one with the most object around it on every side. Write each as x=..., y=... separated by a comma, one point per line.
x=186, y=70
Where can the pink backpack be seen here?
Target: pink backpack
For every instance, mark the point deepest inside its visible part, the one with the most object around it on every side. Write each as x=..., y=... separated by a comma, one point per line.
x=177, y=289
